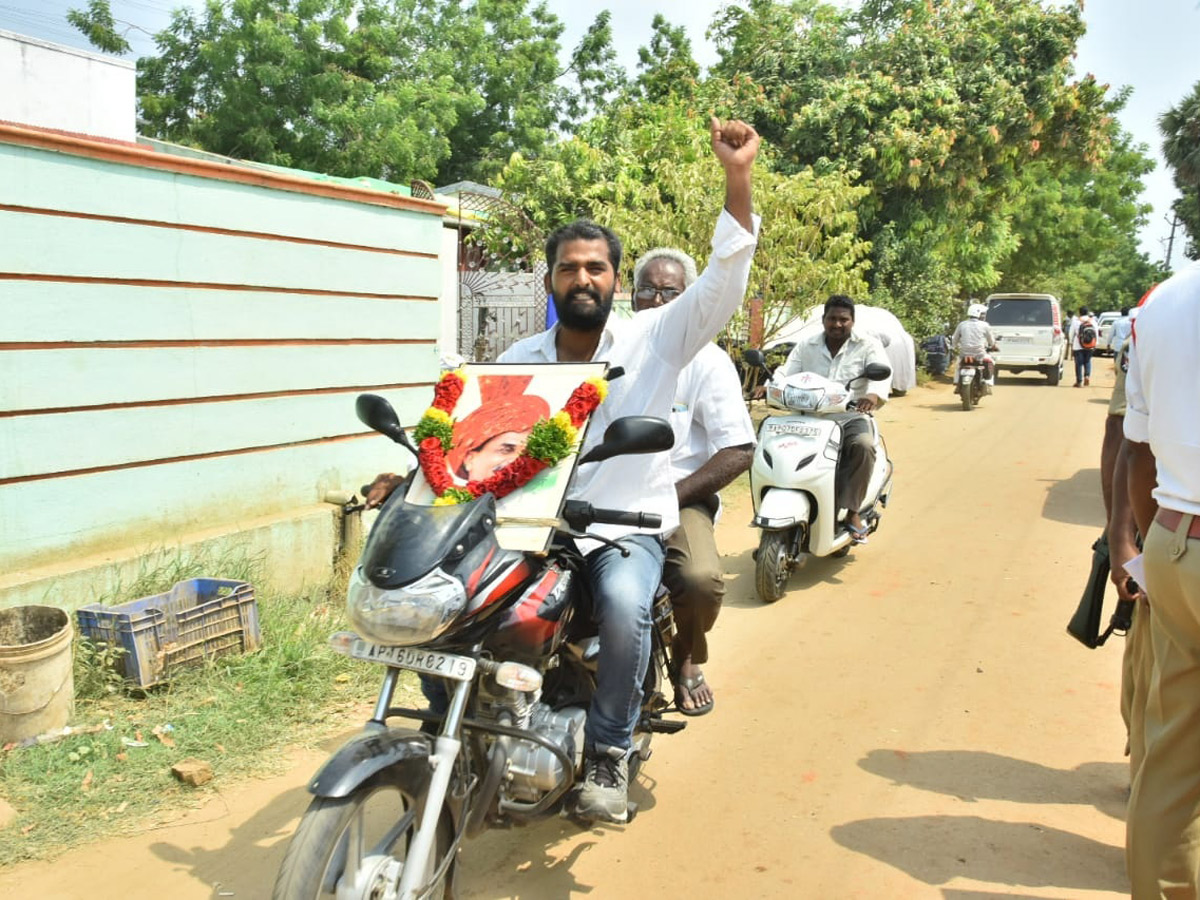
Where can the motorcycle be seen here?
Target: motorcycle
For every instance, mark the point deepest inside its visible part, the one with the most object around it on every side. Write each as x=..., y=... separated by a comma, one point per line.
x=794, y=474
x=509, y=637
x=972, y=380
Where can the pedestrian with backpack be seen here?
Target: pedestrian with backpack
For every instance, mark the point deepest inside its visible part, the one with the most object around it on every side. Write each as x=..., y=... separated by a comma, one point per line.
x=1084, y=336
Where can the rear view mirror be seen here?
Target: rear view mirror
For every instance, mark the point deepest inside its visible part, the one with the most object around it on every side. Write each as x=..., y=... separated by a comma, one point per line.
x=877, y=372
x=632, y=434
x=377, y=414
x=754, y=358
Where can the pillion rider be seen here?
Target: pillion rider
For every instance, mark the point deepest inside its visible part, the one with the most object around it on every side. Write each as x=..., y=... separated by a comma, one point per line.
x=583, y=260
x=714, y=443
x=840, y=353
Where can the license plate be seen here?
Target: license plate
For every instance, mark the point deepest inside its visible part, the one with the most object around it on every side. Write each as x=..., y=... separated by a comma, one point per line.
x=431, y=662
x=794, y=428
x=1018, y=340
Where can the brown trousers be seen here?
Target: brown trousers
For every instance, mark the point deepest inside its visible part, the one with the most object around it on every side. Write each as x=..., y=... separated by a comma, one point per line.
x=1162, y=844
x=693, y=575
x=856, y=464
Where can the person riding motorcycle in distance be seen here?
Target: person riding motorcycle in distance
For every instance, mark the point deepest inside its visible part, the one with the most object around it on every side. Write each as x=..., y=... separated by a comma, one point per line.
x=840, y=353
x=652, y=348
x=714, y=443
x=974, y=337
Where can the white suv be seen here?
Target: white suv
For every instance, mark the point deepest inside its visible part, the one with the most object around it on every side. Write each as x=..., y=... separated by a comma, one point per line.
x=1029, y=333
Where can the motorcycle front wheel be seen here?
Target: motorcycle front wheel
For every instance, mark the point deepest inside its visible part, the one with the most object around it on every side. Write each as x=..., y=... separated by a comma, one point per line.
x=356, y=846
x=771, y=567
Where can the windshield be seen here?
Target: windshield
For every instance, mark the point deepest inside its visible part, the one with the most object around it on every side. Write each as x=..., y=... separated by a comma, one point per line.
x=1019, y=312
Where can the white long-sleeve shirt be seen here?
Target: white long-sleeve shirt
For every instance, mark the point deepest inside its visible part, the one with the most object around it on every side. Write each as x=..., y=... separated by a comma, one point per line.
x=652, y=347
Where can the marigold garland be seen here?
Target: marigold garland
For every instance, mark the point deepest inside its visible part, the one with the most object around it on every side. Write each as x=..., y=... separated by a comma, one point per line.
x=550, y=441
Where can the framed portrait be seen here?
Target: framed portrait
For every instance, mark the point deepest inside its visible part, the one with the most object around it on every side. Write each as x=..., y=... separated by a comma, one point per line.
x=491, y=423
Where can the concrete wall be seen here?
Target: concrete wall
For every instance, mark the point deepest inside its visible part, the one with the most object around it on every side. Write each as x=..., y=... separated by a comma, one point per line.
x=183, y=342
x=52, y=86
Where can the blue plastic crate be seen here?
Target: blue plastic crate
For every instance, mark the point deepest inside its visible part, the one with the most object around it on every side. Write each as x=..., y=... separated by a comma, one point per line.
x=196, y=620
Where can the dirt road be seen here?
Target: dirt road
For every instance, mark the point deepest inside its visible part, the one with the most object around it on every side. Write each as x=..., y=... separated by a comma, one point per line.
x=909, y=722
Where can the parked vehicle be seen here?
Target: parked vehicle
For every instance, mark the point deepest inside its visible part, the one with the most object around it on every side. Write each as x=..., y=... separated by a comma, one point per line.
x=793, y=476
x=1029, y=334
x=937, y=354
x=1104, y=327
x=509, y=636
x=970, y=380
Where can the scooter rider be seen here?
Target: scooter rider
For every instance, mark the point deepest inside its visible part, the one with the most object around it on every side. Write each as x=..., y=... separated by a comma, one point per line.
x=974, y=337
x=841, y=354
x=653, y=348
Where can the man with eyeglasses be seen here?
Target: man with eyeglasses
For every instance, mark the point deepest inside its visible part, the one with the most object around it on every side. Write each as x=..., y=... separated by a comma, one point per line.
x=714, y=444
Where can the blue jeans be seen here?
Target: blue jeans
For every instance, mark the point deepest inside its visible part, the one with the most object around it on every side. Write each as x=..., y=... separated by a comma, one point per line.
x=1083, y=365
x=623, y=590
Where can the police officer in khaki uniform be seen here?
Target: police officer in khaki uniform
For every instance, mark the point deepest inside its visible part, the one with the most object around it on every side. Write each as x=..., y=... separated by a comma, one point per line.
x=1162, y=422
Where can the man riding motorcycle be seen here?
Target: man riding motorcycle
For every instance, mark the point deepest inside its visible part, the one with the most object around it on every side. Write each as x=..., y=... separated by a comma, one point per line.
x=840, y=353
x=652, y=349
x=974, y=337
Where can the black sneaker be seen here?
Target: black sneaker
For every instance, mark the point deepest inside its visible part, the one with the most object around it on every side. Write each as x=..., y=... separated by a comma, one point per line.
x=605, y=791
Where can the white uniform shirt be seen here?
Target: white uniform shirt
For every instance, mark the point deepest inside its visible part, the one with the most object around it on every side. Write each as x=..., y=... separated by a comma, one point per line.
x=652, y=348
x=972, y=337
x=709, y=413
x=812, y=355
x=1162, y=389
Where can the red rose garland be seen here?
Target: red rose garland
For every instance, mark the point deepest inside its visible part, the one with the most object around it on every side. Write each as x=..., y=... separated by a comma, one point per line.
x=556, y=436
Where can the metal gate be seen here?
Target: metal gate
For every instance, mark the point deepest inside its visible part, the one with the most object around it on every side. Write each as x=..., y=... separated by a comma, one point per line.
x=496, y=305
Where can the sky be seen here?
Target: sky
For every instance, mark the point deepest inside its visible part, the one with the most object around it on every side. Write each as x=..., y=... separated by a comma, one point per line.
x=1148, y=45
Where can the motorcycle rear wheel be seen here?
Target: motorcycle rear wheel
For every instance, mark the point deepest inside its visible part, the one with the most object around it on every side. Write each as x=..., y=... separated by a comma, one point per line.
x=771, y=567
x=335, y=830
x=965, y=392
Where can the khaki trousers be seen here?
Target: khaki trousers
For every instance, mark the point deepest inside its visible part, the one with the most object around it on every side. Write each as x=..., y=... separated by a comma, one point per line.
x=1137, y=663
x=693, y=575
x=1163, y=826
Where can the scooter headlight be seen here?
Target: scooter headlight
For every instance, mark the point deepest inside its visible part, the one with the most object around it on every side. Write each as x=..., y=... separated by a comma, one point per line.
x=412, y=614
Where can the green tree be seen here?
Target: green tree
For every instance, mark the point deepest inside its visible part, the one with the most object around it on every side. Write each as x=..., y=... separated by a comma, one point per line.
x=1180, y=127
x=332, y=85
x=939, y=105
x=666, y=67
x=398, y=89
x=647, y=172
x=97, y=24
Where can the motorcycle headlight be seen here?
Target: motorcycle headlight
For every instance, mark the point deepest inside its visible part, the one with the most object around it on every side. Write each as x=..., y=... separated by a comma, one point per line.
x=412, y=614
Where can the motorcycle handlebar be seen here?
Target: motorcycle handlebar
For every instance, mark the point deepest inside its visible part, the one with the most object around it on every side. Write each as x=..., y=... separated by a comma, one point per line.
x=579, y=515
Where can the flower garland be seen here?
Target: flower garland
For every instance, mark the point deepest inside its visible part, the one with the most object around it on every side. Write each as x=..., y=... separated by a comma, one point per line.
x=550, y=441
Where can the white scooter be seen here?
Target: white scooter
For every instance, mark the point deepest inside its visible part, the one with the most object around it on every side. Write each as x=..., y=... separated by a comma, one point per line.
x=793, y=478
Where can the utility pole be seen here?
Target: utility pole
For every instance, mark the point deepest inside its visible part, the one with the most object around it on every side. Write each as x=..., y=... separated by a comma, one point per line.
x=1174, y=220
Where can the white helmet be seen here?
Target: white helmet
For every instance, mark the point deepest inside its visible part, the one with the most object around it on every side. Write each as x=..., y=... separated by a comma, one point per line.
x=976, y=310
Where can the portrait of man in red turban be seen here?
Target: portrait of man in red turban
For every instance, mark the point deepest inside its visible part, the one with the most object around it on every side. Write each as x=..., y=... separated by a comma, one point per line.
x=495, y=433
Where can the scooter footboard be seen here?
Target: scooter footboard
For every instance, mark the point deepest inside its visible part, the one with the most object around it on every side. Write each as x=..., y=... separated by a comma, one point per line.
x=404, y=751
x=783, y=508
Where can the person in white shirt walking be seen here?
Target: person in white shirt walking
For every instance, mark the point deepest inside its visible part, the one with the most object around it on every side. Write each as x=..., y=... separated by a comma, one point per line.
x=653, y=348
x=714, y=443
x=840, y=353
x=1084, y=334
